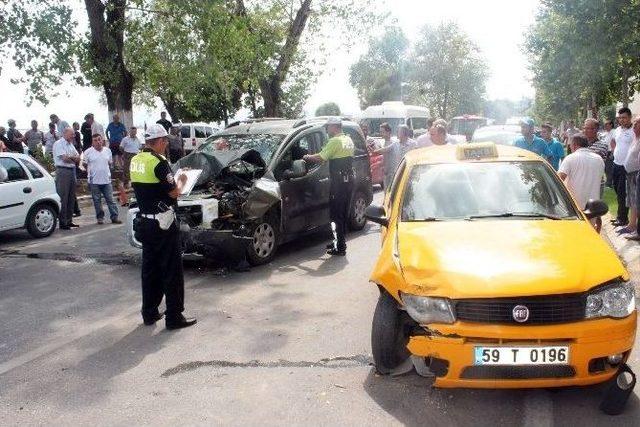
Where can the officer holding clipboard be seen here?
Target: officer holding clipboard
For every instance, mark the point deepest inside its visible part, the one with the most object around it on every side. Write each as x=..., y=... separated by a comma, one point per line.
x=157, y=229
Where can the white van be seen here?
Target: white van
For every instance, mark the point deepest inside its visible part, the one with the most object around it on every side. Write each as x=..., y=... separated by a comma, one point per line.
x=395, y=113
x=194, y=134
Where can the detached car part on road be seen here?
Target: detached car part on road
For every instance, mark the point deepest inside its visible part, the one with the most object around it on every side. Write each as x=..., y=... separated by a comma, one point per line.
x=28, y=197
x=491, y=277
x=255, y=191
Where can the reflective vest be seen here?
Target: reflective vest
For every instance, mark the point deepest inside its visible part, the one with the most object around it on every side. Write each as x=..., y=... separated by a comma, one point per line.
x=143, y=167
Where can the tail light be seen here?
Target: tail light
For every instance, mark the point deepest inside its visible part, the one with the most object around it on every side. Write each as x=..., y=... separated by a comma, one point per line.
x=193, y=142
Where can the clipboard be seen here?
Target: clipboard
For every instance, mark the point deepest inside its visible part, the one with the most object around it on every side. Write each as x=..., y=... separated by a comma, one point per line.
x=192, y=177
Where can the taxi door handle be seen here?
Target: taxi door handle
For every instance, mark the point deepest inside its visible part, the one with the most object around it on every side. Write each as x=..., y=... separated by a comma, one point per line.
x=26, y=190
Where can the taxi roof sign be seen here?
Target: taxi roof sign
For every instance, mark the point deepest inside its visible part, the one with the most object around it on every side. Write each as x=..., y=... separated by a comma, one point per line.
x=476, y=151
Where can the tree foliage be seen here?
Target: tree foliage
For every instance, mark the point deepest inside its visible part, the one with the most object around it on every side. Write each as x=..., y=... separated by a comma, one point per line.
x=38, y=37
x=584, y=54
x=377, y=75
x=443, y=70
x=328, y=109
x=447, y=72
x=203, y=59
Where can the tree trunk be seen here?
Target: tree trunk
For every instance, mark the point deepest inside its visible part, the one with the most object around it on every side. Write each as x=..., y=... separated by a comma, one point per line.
x=171, y=105
x=625, y=85
x=271, y=87
x=107, y=23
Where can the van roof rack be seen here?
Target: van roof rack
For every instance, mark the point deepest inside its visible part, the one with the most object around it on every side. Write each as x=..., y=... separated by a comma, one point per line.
x=319, y=118
x=255, y=120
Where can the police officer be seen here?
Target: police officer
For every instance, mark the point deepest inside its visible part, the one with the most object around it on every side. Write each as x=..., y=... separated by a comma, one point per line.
x=156, y=227
x=338, y=151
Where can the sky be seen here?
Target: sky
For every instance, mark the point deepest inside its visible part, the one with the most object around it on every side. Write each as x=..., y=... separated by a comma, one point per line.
x=496, y=26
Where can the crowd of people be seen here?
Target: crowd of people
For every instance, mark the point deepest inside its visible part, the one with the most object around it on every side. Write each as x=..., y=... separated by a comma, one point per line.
x=586, y=159
x=90, y=150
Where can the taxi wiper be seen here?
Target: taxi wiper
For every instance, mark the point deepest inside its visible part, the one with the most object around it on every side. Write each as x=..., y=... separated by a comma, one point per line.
x=516, y=215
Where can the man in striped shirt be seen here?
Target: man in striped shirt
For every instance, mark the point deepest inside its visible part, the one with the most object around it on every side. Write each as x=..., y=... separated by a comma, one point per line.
x=601, y=148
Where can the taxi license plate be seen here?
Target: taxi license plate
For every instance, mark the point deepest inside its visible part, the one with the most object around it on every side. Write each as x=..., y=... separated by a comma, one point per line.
x=550, y=355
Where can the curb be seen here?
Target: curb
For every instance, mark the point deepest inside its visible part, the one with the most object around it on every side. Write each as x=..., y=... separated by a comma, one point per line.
x=627, y=250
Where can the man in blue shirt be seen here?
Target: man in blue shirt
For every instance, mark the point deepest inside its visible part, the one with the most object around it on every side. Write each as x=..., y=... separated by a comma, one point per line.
x=555, y=146
x=115, y=132
x=531, y=142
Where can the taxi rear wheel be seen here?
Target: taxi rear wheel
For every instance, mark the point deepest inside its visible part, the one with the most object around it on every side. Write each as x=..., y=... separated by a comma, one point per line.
x=388, y=335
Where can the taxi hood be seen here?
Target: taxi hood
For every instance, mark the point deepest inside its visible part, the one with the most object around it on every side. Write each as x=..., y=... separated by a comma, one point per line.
x=503, y=258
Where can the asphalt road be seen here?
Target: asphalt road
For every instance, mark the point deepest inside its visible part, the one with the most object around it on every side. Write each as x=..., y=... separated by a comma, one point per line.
x=287, y=343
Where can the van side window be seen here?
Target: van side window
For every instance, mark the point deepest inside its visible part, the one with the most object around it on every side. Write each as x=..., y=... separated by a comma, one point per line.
x=185, y=131
x=418, y=123
x=360, y=147
x=200, y=133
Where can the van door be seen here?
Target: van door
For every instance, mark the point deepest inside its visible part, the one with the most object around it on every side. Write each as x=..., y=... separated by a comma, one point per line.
x=360, y=161
x=305, y=200
x=16, y=194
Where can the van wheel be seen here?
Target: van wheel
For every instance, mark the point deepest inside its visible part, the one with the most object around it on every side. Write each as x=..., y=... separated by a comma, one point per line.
x=262, y=249
x=357, y=219
x=41, y=221
x=388, y=335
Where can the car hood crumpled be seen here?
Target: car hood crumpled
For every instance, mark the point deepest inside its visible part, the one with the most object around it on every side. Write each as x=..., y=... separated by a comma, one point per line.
x=503, y=258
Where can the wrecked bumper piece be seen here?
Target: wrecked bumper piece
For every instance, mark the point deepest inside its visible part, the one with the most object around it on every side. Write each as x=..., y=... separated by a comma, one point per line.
x=227, y=245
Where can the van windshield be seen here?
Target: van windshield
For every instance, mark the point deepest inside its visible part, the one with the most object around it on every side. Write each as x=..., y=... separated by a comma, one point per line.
x=484, y=190
x=374, y=125
x=265, y=144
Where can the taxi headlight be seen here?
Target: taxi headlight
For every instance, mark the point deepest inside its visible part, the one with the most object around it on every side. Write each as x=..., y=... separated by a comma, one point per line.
x=428, y=309
x=614, y=301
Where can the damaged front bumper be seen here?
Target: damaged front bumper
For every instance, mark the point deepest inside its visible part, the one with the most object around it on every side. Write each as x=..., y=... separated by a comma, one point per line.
x=227, y=245
x=448, y=350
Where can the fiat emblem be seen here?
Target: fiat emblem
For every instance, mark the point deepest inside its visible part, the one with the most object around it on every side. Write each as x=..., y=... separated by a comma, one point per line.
x=520, y=313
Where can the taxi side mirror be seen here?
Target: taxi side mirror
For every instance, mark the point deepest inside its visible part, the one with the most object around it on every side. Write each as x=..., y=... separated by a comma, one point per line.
x=595, y=209
x=375, y=213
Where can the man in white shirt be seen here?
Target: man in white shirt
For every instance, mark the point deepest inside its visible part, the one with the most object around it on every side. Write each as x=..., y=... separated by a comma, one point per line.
x=65, y=159
x=395, y=151
x=582, y=171
x=98, y=160
x=61, y=125
x=622, y=139
x=608, y=164
x=130, y=146
x=425, y=140
x=96, y=128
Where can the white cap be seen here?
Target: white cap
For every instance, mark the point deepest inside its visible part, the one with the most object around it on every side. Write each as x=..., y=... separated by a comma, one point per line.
x=155, y=131
x=334, y=121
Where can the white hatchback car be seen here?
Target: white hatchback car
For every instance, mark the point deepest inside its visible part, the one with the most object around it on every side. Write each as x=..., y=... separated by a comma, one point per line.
x=28, y=197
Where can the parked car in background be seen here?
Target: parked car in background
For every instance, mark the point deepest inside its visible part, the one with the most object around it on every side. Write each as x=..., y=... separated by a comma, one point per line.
x=256, y=192
x=194, y=134
x=500, y=134
x=28, y=197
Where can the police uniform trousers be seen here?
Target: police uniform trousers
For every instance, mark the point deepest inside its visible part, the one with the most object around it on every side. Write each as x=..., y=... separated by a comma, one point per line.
x=161, y=268
x=339, y=209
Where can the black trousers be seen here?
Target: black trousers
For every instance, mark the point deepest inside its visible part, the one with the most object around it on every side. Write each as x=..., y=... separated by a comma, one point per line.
x=619, y=177
x=339, y=210
x=161, y=268
x=608, y=170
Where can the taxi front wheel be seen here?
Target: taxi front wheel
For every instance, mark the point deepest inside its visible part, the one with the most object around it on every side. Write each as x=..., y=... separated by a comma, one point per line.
x=389, y=335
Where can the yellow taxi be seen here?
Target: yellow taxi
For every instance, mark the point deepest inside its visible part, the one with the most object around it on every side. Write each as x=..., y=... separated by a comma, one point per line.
x=491, y=277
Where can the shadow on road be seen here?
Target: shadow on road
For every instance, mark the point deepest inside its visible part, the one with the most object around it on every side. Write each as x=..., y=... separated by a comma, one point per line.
x=412, y=401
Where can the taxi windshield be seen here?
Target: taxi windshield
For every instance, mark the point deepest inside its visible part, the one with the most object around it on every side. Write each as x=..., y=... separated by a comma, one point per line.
x=265, y=144
x=484, y=190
